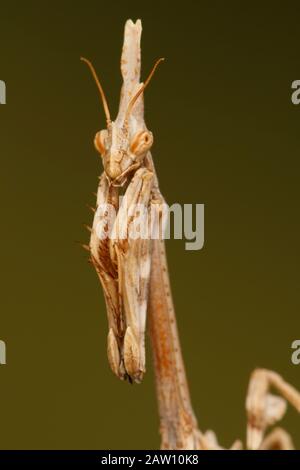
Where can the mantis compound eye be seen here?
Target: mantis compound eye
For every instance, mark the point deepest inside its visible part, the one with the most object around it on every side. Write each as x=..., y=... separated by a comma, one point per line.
x=141, y=143
x=100, y=141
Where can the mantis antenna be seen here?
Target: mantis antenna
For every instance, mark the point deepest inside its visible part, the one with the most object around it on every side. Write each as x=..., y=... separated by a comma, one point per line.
x=141, y=90
x=104, y=102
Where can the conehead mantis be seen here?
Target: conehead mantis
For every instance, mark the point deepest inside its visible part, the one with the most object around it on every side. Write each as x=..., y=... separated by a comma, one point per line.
x=134, y=272
x=134, y=275
x=123, y=265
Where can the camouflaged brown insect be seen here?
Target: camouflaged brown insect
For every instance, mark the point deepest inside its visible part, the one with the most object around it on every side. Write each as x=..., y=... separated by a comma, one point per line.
x=134, y=276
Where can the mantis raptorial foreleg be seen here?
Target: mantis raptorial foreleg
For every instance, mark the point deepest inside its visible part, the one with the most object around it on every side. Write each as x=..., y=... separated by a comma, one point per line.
x=121, y=255
x=131, y=249
x=104, y=219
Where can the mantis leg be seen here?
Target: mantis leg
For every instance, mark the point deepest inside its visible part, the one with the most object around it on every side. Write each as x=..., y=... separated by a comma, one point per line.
x=131, y=250
x=107, y=206
x=278, y=439
x=265, y=409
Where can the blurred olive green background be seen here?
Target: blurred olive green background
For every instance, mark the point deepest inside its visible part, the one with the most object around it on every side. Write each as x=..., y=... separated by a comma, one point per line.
x=226, y=135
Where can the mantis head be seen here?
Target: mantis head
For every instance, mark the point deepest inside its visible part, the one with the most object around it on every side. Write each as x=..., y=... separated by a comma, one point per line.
x=125, y=142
